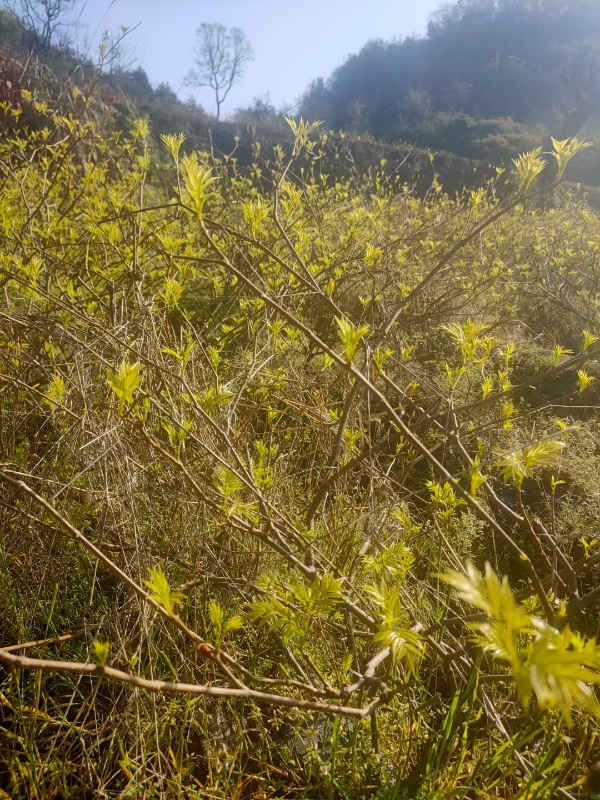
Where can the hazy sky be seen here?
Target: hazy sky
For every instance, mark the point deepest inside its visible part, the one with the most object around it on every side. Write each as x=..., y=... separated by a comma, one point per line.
x=294, y=40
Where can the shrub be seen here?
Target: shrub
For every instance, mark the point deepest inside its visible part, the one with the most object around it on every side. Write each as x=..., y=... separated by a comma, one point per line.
x=250, y=424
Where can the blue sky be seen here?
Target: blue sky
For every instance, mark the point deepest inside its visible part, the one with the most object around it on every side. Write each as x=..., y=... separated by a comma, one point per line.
x=294, y=40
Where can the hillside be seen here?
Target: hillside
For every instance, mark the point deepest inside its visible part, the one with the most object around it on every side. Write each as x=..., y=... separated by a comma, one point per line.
x=490, y=78
x=123, y=96
x=299, y=457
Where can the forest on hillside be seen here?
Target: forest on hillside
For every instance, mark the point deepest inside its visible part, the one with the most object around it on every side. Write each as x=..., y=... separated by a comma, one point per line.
x=299, y=450
x=490, y=76
x=489, y=80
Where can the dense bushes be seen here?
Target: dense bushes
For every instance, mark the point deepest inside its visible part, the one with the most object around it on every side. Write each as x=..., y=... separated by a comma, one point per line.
x=254, y=422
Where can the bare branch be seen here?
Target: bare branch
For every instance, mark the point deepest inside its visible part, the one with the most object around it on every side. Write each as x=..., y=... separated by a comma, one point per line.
x=221, y=55
x=22, y=662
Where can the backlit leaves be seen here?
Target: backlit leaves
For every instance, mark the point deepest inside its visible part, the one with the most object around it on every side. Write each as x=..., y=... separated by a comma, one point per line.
x=56, y=391
x=406, y=644
x=255, y=213
x=583, y=380
x=214, y=397
x=125, y=383
x=182, y=355
x=161, y=591
x=523, y=463
x=528, y=166
x=302, y=129
x=227, y=482
x=171, y=293
x=177, y=434
x=560, y=351
x=588, y=340
x=350, y=336
x=487, y=387
x=101, y=652
x=302, y=605
x=477, y=477
x=394, y=561
x=444, y=498
x=564, y=152
x=555, y=666
x=173, y=143
x=229, y=486
x=469, y=339
x=198, y=180
x=221, y=626
x=274, y=615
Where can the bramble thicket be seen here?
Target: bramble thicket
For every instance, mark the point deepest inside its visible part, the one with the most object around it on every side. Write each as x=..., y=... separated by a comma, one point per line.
x=299, y=469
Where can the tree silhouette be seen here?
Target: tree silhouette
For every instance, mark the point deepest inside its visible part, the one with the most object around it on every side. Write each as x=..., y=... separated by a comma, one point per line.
x=41, y=19
x=221, y=55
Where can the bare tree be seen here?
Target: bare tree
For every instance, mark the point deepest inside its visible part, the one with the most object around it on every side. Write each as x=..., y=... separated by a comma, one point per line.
x=42, y=19
x=221, y=55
